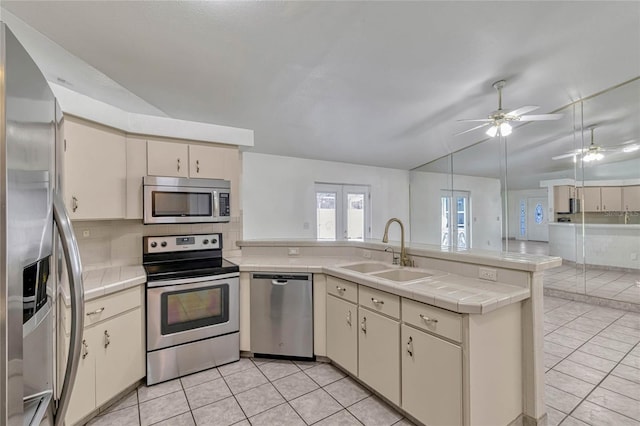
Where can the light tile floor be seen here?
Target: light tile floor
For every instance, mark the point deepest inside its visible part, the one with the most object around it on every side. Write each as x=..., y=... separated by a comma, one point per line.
x=254, y=392
x=592, y=361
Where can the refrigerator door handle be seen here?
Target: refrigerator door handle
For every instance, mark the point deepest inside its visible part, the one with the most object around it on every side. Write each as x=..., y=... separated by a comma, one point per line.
x=74, y=271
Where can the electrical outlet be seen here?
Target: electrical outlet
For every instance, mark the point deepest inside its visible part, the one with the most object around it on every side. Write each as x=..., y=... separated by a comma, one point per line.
x=487, y=274
x=86, y=233
x=366, y=255
x=294, y=251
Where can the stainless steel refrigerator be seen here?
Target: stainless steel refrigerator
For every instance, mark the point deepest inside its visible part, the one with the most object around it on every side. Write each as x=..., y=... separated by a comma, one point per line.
x=38, y=251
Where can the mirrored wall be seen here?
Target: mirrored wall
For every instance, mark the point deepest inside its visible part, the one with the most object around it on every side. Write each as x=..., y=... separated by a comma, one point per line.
x=567, y=188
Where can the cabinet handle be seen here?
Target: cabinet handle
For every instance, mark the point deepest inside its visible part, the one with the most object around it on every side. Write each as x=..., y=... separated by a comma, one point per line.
x=410, y=346
x=178, y=164
x=340, y=289
x=85, y=349
x=427, y=319
x=197, y=166
x=349, y=318
x=107, y=341
x=377, y=302
x=96, y=312
x=74, y=204
x=363, y=325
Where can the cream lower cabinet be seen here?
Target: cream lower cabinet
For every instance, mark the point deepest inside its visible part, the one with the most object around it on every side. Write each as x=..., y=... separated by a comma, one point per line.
x=378, y=353
x=431, y=378
x=112, y=353
x=342, y=333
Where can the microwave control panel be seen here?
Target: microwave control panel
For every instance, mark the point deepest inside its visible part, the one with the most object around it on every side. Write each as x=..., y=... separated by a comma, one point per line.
x=225, y=205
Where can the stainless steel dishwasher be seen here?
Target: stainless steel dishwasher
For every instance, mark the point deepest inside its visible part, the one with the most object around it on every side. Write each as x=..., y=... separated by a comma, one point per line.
x=282, y=315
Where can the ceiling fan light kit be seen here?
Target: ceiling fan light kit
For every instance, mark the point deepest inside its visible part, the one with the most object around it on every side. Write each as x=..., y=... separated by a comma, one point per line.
x=499, y=119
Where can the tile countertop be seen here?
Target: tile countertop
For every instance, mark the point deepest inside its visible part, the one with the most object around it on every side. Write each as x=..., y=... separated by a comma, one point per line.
x=103, y=281
x=445, y=290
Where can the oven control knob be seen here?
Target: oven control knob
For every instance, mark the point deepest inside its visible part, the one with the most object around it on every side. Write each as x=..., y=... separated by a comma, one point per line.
x=205, y=241
x=154, y=244
x=213, y=241
x=163, y=244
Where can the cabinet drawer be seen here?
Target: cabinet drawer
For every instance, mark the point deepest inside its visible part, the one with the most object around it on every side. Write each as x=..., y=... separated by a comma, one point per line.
x=379, y=301
x=439, y=321
x=343, y=289
x=106, y=307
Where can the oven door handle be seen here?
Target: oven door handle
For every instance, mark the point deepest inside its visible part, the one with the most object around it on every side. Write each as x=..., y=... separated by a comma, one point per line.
x=279, y=282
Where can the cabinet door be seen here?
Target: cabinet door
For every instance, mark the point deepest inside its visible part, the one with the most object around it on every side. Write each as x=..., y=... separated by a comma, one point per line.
x=119, y=355
x=342, y=333
x=561, y=195
x=83, y=395
x=167, y=159
x=631, y=198
x=213, y=162
x=136, y=170
x=431, y=378
x=611, y=198
x=94, y=171
x=591, y=197
x=379, y=353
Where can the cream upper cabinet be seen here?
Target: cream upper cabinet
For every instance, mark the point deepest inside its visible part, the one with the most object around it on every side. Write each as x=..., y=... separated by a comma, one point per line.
x=95, y=169
x=611, y=198
x=167, y=159
x=379, y=354
x=342, y=333
x=213, y=162
x=427, y=359
x=591, y=201
x=136, y=170
x=561, y=196
x=631, y=198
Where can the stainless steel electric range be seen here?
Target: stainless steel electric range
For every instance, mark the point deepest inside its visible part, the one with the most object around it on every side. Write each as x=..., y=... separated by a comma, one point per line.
x=192, y=305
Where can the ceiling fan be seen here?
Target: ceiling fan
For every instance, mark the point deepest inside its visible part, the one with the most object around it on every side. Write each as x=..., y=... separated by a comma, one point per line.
x=499, y=119
x=595, y=152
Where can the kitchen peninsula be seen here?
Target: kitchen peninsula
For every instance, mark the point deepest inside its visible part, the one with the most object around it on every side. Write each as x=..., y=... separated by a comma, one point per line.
x=483, y=338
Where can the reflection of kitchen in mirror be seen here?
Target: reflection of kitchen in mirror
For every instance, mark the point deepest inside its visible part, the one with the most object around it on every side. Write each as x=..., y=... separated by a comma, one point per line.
x=550, y=189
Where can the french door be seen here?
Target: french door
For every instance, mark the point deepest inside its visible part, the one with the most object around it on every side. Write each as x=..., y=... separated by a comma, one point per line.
x=342, y=212
x=455, y=214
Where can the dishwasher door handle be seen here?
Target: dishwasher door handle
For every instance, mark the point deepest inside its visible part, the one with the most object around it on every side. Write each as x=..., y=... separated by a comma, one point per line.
x=279, y=282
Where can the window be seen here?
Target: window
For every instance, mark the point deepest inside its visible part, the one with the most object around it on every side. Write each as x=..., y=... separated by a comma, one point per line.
x=342, y=212
x=458, y=228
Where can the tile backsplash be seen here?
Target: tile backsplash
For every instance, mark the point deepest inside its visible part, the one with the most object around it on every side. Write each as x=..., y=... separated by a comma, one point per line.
x=107, y=243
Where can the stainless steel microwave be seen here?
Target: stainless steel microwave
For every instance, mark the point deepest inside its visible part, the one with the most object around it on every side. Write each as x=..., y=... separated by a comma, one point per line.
x=181, y=200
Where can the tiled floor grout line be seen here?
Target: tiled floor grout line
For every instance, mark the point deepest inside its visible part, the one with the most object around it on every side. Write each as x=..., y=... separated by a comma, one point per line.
x=598, y=385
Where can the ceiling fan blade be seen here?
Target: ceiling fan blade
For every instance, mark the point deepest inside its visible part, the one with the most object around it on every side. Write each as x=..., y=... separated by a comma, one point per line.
x=473, y=128
x=560, y=157
x=523, y=110
x=476, y=119
x=540, y=117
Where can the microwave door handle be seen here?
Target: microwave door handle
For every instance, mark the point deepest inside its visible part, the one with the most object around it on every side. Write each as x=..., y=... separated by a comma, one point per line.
x=216, y=204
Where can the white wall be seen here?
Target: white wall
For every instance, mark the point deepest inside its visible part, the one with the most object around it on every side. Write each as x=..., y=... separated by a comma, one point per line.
x=278, y=197
x=486, y=208
x=513, y=208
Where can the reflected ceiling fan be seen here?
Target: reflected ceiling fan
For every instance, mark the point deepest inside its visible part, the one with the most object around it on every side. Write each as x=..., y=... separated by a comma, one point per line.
x=595, y=152
x=499, y=119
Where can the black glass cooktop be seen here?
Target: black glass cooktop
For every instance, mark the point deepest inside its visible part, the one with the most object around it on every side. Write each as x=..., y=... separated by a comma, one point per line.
x=194, y=268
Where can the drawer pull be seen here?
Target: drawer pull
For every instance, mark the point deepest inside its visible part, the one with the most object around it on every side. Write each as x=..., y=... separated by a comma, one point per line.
x=410, y=346
x=377, y=302
x=340, y=289
x=96, y=312
x=427, y=319
x=85, y=349
x=363, y=325
x=107, y=339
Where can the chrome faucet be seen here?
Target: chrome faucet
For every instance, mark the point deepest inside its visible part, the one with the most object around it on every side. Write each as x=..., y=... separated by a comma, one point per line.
x=404, y=259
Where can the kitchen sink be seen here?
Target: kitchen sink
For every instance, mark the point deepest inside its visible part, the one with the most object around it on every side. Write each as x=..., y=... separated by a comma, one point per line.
x=366, y=267
x=402, y=275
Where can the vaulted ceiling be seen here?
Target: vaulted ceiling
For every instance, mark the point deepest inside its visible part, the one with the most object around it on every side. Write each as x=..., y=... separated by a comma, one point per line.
x=376, y=83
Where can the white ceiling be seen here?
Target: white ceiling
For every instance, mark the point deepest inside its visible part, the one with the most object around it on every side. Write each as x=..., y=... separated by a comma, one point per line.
x=376, y=83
